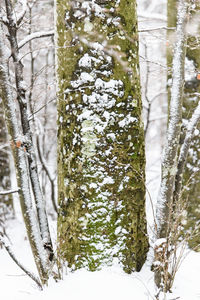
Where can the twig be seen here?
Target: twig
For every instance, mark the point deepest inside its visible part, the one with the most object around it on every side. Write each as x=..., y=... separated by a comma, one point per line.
x=152, y=62
x=156, y=28
x=39, y=109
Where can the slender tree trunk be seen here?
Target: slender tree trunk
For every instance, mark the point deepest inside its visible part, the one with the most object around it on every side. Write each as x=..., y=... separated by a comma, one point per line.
x=20, y=158
x=187, y=189
x=169, y=162
x=101, y=160
x=165, y=205
x=191, y=176
x=6, y=204
x=27, y=142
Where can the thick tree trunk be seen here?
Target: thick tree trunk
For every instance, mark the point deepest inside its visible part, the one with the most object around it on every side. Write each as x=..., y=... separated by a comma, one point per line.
x=101, y=160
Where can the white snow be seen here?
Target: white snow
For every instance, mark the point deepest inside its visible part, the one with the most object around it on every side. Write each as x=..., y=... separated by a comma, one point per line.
x=110, y=283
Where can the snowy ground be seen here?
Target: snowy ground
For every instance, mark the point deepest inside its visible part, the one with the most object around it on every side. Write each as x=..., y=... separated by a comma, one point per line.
x=110, y=283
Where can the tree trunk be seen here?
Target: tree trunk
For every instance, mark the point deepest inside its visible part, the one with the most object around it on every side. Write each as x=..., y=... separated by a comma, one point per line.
x=189, y=201
x=27, y=142
x=165, y=205
x=20, y=158
x=101, y=159
x=169, y=162
x=6, y=204
x=191, y=176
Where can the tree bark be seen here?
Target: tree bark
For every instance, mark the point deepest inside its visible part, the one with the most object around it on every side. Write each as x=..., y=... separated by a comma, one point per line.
x=27, y=142
x=189, y=180
x=169, y=162
x=101, y=159
x=20, y=158
x=6, y=204
x=165, y=205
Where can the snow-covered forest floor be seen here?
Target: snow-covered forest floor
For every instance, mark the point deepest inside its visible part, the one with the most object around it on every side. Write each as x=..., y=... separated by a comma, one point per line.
x=110, y=283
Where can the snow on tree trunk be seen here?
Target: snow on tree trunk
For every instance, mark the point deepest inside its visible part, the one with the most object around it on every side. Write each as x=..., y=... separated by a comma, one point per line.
x=190, y=202
x=191, y=176
x=101, y=159
x=165, y=206
x=20, y=158
x=27, y=140
x=169, y=162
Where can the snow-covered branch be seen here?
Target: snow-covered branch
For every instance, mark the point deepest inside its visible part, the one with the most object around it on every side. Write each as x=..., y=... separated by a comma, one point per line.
x=35, y=35
x=9, y=192
x=3, y=18
x=22, y=13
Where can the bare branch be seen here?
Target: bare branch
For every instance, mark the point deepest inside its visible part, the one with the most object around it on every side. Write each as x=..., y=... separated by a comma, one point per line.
x=156, y=28
x=3, y=19
x=152, y=62
x=21, y=15
x=30, y=117
x=12, y=255
x=35, y=35
x=9, y=192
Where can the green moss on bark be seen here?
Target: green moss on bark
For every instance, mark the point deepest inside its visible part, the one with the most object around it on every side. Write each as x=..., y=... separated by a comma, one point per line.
x=101, y=157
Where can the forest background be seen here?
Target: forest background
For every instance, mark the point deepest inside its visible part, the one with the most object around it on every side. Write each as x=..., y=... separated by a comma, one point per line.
x=156, y=34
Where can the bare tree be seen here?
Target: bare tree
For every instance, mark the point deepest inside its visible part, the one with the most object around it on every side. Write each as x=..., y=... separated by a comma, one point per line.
x=173, y=164
x=22, y=144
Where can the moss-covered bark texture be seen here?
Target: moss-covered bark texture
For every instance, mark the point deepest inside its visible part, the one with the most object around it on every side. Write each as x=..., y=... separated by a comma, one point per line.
x=191, y=178
x=101, y=159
